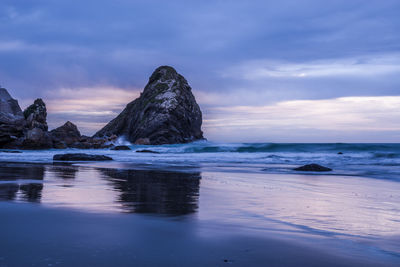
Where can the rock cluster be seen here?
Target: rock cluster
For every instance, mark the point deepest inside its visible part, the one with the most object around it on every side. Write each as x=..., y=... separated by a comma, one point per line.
x=165, y=113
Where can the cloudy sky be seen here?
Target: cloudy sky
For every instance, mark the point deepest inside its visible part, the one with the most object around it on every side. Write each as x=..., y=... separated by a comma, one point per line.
x=262, y=71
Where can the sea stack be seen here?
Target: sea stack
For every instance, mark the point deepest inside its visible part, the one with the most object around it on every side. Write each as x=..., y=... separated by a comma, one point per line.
x=36, y=136
x=165, y=113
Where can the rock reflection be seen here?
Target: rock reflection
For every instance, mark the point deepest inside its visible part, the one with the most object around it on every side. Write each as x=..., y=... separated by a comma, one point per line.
x=64, y=170
x=10, y=189
x=158, y=192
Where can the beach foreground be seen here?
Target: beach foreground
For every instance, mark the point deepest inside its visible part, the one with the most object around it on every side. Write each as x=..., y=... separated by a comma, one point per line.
x=124, y=214
x=37, y=236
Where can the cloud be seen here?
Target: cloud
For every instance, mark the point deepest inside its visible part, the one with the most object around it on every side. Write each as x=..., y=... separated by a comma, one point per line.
x=362, y=66
x=89, y=108
x=359, y=119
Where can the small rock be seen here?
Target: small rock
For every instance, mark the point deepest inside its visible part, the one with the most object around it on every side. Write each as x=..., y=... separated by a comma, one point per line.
x=80, y=157
x=10, y=151
x=313, y=168
x=147, y=151
x=121, y=148
x=340, y=153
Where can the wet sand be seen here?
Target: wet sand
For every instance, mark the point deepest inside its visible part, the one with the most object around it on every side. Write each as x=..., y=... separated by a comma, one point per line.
x=93, y=215
x=35, y=236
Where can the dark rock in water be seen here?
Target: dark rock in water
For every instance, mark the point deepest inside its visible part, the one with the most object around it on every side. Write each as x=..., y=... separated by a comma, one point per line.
x=165, y=113
x=147, y=151
x=65, y=135
x=80, y=157
x=340, y=153
x=11, y=151
x=121, y=148
x=313, y=168
x=36, y=136
x=12, y=122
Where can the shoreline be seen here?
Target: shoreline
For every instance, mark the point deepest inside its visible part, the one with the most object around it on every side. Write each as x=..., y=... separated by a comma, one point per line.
x=61, y=237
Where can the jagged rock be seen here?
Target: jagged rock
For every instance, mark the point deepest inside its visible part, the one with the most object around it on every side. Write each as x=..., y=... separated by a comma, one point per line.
x=313, y=168
x=80, y=157
x=36, y=136
x=36, y=115
x=12, y=120
x=165, y=113
x=65, y=135
x=121, y=148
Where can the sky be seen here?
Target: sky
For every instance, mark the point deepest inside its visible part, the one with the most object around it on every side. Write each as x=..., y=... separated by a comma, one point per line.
x=261, y=71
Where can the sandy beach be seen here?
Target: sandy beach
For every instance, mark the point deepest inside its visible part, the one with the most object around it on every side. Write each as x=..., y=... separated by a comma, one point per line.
x=88, y=215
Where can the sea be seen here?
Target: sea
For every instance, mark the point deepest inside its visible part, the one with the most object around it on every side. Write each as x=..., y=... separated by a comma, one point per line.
x=380, y=161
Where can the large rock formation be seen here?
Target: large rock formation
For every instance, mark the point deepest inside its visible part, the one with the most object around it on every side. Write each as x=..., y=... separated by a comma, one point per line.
x=12, y=120
x=165, y=113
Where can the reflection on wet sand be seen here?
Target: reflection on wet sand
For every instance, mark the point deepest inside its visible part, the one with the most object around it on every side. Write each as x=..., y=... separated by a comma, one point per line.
x=161, y=192
x=64, y=170
x=11, y=186
x=134, y=191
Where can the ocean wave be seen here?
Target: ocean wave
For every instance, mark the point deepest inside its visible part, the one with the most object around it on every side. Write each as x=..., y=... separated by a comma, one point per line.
x=209, y=147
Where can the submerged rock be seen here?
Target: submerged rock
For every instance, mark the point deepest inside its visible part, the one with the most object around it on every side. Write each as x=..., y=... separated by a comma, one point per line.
x=12, y=121
x=147, y=151
x=80, y=157
x=11, y=151
x=165, y=113
x=313, y=168
x=121, y=148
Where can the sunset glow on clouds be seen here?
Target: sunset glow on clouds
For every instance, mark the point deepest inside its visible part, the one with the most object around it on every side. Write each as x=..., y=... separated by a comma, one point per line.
x=259, y=67
x=359, y=119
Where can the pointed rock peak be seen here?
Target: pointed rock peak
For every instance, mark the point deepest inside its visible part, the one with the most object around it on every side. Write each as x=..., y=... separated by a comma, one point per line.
x=4, y=95
x=163, y=73
x=38, y=107
x=39, y=102
x=69, y=124
x=68, y=127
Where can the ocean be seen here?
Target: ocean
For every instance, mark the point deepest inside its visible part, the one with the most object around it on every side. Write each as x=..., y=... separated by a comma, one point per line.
x=380, y=161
